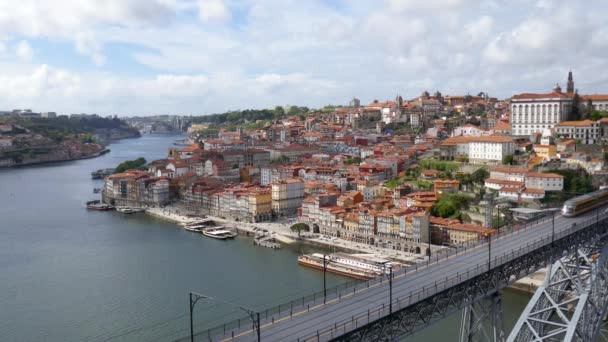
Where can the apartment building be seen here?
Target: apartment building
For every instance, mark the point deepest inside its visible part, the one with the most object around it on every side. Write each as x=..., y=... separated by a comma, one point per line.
x=287, y=196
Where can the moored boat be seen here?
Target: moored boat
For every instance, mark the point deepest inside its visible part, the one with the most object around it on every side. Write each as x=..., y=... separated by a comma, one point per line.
x=97, y=205
x=353, y=266
x=101, y=173
x=219, y=233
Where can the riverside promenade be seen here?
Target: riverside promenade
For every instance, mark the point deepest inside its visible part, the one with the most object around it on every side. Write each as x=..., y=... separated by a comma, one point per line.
x=281, y=232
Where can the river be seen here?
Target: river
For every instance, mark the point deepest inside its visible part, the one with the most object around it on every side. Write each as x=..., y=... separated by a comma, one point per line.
x=68, y=274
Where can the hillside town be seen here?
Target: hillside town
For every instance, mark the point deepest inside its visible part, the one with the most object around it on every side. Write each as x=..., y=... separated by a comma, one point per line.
x=403, y=175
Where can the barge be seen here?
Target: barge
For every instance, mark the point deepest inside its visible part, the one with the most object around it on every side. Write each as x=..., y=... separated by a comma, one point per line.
x=358, y=266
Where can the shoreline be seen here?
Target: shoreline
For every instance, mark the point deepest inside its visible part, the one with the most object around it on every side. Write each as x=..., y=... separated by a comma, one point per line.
x=56, y=161
x=105, y=150
x=282, y=233
x=526, y=285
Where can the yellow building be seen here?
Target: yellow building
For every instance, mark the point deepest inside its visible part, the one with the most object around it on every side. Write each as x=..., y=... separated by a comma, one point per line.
x=260, y=205
x=442, y=186
x=545, y=151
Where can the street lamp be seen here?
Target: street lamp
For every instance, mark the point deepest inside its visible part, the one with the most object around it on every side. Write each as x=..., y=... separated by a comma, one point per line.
x=429, y=250
x=390, y=287
x=253, y=315
x=324, y=277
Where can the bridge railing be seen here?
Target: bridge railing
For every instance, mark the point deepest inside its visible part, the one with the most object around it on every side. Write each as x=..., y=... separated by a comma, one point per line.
x=382, y=310
x=309, y=302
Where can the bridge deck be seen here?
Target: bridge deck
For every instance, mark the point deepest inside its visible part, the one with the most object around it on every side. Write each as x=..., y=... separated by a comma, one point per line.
x=353, y=308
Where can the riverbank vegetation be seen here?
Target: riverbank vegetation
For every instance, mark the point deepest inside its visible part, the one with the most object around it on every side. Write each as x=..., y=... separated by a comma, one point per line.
x=130, y=165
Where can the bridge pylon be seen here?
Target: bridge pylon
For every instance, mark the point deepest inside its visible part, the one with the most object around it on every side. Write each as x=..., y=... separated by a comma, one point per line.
x=483, y=320
x=571, y=304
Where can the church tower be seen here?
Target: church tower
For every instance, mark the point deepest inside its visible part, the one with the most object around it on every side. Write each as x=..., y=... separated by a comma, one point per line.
x=570, y=86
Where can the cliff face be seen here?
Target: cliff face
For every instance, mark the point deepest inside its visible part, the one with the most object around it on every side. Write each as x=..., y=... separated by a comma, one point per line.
x=24, y=142
x=69, y=150
x=105, y=136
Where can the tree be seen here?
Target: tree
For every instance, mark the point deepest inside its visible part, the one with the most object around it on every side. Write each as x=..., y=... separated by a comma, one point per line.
x=575, y=111
x=480, y=175
x=508, y=159
x=588, y=109
x=279, y=112
x=353, y=160
x=130, y=164
x=299, y=228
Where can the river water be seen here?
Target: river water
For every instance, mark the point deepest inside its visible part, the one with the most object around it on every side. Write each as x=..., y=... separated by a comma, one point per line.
x=68, y=274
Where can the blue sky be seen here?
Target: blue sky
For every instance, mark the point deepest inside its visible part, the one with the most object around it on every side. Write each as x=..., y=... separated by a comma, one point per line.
x=142, y=57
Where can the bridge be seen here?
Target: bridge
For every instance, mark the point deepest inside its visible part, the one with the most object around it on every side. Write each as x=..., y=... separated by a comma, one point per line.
x=410, y=299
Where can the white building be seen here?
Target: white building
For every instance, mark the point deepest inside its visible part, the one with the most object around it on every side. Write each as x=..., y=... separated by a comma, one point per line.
x=470, y=131
x=490, y=148
x=586, y=131
x=532, y=113
x=520, y=184
x=545, y=181
x=287, y=196
x=598, y=101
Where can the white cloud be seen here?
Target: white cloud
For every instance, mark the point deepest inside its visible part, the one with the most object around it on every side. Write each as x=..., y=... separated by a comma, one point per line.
x=479, y=29
x=434, y=5
x=47, y=18
x=213, y=11
x=195, y=55
x=24, y=51
x=88, y=45
x=42, y=82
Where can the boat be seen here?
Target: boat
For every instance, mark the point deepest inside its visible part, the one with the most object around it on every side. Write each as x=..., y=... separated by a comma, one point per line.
x=194, y=229
x=266, y=241
x=125, y=210
x=201, y=223
x=101, y=173
x=195, y=226
x=353, y=266
x=96, y=190
x=97, y=205
x=219, y=233
x=128, y=210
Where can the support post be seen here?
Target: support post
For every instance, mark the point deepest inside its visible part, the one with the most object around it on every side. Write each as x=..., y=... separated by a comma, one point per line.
x=324, y=278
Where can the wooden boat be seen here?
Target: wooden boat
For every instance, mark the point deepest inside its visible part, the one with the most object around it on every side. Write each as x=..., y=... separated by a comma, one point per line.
x=97, y=205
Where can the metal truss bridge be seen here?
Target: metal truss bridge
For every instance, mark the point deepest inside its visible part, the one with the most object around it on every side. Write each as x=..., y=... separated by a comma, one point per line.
x=467, y=279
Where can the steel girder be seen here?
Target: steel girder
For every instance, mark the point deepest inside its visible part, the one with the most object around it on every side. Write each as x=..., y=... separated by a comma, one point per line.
x=571, y=303
x=483, y=321
x=421, y=314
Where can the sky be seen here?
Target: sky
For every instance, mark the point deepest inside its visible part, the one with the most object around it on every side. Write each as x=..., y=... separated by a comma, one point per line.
x=193, y=57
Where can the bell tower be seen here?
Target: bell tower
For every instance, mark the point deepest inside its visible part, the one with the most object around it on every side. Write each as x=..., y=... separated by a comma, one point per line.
x=570, y=86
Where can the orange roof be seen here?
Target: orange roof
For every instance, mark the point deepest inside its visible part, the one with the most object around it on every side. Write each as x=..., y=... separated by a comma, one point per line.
x=534, y=191
x=595, y=97
x=543, y=175
x=539, y=96
x=502, y=127
x=582, y=123
x=503, y=182
x=495, y=138
x=509, y=170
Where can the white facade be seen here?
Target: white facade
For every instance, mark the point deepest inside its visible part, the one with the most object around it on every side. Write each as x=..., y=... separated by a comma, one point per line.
x=531, y=113
x=287, y=196
x=586, y=131
x=545, y=181
x=490, y=151
x=470, y=131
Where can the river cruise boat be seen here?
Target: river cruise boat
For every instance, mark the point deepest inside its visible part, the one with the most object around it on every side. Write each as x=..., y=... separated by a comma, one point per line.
x=358, y=266
x=97, y=205
x=220, y=233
